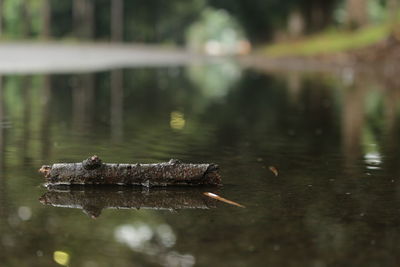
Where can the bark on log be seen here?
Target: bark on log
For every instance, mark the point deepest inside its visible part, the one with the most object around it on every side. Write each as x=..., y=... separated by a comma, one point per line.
x=94, y=171
x=92, y=200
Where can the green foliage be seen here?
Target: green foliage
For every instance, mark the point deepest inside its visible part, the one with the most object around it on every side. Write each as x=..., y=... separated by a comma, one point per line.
x=11, y=14
x=330, y=42
x=258, y=17
x=160, y=21
x=22, y=18
x=214, y=25
x=61, y=18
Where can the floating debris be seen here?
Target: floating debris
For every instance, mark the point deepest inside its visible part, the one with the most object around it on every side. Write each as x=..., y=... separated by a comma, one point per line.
x=273, y=170
x=215, y=196
x=94, y=171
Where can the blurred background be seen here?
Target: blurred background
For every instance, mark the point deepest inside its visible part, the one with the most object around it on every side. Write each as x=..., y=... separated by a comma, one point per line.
x=214, y=26
x=308, y=87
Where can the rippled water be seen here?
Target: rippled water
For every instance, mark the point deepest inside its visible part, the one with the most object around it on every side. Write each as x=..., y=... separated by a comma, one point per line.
x=334, y=142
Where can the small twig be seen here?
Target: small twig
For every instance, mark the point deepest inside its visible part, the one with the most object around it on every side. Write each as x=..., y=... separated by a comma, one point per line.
x=215, y=196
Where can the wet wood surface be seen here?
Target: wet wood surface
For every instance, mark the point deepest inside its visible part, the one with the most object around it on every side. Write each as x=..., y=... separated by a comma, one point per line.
x=93, y=171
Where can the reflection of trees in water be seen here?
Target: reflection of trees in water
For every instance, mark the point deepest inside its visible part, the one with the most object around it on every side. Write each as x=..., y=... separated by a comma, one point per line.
x=2, y=119
x=3, y=184
x=26, y=88
x=83, y=98
x=369, y=124
x=303, y=130
x=353, y=113
x=214, y=80
x=117, y=104
x=58, y=231
x=330, y=220
x=356, y=213
x=45, y=117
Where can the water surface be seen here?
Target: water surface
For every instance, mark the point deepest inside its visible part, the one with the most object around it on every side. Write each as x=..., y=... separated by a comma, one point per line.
x=332, y=138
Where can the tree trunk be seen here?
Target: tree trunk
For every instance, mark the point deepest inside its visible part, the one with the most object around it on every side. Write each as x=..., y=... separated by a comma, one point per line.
x=83, y=17
x=117, y=20
x=1, y=17
x=357, y=13
x=393, y=9
x=295, y=24
x=318, y=14
x=26, y=19
x=46, y=19
x=92, y=171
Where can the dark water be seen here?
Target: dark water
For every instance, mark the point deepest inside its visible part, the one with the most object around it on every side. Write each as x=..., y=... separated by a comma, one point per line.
x=333, y=139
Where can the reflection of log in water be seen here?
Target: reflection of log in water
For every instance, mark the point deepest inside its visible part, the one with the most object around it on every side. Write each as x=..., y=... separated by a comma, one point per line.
x=92, y=200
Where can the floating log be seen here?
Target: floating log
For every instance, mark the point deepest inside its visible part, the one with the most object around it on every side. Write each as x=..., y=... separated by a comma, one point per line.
x=92, y=200
x=94, y=171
